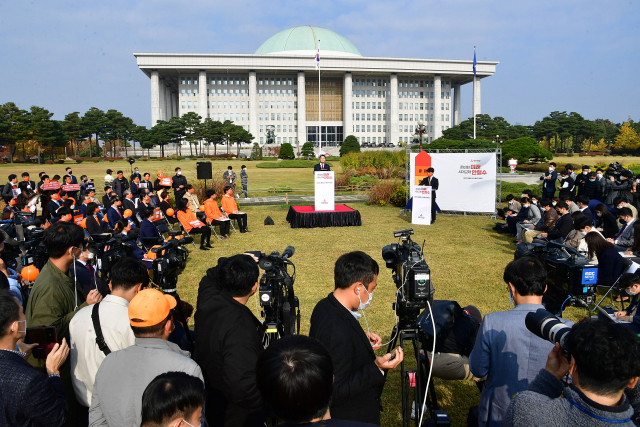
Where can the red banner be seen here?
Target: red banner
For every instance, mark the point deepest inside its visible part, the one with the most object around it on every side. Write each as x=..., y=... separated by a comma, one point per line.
x=196, y=224
x=51, y=186
x=78, y=219
x=157, y=214
x=71, y=187
x=166, y=181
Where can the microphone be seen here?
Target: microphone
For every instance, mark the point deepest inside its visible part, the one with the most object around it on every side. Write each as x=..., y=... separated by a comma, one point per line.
x=288, y=252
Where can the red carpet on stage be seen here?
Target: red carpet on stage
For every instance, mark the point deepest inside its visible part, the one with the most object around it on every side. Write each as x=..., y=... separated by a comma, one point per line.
x=309, y=217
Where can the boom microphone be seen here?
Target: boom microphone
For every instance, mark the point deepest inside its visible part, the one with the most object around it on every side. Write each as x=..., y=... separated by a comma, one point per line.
x=288, y=252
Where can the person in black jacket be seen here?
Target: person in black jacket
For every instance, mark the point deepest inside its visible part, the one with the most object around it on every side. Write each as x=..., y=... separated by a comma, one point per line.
x=85, y=273
x=10, y=188
x=605, y=221
x=610, y=265
x=228, y=352
x=359, y=374
x=568, y=185
x=179, y=184
x=27, y=183
x=106, y=199
x=592, y=188
x=120, y=184
x=28, y=397
x=433, y=183
x=563, y=226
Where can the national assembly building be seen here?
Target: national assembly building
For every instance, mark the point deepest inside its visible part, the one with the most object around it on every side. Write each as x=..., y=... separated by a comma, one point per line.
x=378, y=100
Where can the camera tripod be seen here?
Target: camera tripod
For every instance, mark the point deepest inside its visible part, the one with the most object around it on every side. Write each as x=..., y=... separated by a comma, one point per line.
x=412, y=334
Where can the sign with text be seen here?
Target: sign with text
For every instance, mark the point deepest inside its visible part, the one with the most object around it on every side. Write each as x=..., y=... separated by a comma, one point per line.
x=421, y=211
x=157, y=214
x=51, y=186
x=467, y=181
x=196, y=224
x=324, y=186
x=165, y=181
x=71, y=187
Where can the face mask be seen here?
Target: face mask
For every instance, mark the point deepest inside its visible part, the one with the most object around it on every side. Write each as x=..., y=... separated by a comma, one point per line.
x=91, y=255
x=598, y=214
x=584, y=172
x=582, y=233
x=23, y=331
x=550, y=169
x=553, y=203
x=535, y=202
x=622, y=221
x=619, y=207
x=70, y=173
x=179, y=173
x=190, y=423
x=526, y=206
x=364, y=305
x=592, y=179
x=599, y=175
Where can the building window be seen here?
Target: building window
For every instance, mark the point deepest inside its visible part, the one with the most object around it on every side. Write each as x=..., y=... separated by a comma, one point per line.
x=195, y=104
x=260, y=116
x=183, y=80
x=184, y=105
x=400, y=117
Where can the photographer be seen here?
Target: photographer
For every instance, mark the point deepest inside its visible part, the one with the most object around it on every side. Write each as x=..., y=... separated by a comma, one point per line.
x=28, y=397
x=229, y=351
x=295, y=378
x=605, y=362
x=171, y=399
x=505, y=350
x=128, y=277
x=359, y=374
x=55, y=298
x=623, y=187
x=133, y=368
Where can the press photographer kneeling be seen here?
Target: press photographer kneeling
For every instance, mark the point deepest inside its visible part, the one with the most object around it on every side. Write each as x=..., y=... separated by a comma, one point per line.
x=605, y=365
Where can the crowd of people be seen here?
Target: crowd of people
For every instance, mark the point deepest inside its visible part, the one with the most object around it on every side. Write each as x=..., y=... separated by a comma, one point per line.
x=129, y=205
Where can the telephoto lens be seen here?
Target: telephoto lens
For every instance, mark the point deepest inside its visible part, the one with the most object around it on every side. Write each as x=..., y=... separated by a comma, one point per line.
x=548, y=327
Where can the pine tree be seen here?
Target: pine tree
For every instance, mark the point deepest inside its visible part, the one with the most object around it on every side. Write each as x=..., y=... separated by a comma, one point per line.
x=350, y=145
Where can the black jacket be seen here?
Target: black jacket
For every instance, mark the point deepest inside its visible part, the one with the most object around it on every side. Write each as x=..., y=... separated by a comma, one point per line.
x=609, y=225
x=93, y=226
x=106, y=201
x=86, y=279
x=433, y=182
x=592, y=190
x=228, y=343
x=358, y=382
x=179, y=180
x=7, y=192
x=120, y=185
x=562, y=228
x=23, y=185
x=316, y=168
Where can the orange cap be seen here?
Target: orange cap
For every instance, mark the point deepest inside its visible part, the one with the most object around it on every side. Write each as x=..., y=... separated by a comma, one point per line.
x=150, y=307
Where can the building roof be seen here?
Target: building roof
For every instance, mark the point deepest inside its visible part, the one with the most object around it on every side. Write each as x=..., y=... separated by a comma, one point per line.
x=304, y=41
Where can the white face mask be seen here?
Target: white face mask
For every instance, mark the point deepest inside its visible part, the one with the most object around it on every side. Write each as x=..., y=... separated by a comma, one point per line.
x=526, y=206
x=364, y=305
x=179, y=173
x=619, y=207
x=599, y=175
x=550, y=169
x=24, y=331
x=91, y=255
x=584, y=172
x=553, y=203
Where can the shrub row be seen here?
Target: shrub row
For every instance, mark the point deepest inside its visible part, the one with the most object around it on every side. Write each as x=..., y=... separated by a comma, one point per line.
x=288, y=164
x=376, y=159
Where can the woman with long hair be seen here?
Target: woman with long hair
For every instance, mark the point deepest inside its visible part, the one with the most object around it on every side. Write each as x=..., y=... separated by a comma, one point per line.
x=609, y=260
x=605, y=221
x=93, y=222
x=187, y=218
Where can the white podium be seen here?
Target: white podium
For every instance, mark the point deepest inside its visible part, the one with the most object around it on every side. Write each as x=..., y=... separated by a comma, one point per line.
x=324, y=191
x=421, y=210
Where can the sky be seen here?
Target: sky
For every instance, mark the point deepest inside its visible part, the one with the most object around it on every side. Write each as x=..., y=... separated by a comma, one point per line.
x=566, y=55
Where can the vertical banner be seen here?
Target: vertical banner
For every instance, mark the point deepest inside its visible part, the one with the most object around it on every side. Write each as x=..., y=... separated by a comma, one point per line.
x=421, y=211
x=467, y=181
x=325, y=188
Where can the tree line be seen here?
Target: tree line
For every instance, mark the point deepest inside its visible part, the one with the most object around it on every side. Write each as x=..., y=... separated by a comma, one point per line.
x=558, y=132
x=20, y=129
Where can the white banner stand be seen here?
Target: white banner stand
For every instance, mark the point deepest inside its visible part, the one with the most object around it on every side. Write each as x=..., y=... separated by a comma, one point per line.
x=325, y=189
x=421, y=211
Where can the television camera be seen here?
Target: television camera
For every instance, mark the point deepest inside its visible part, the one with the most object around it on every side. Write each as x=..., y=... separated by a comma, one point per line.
x=280, y=306
x=109, y=250
x=571, y=280
x=28, y=234
x=616, y=170
x=171, y=260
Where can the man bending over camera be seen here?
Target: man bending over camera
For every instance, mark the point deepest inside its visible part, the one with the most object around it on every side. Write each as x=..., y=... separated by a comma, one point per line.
x=605, y=362
x=228, y=342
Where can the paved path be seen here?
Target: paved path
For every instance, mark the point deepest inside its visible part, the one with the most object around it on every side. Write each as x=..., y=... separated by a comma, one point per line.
x=527, y=178
x=281, y=200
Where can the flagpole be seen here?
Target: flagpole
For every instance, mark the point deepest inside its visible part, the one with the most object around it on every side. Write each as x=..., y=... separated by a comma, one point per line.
x=474, y=93
x=319, y=109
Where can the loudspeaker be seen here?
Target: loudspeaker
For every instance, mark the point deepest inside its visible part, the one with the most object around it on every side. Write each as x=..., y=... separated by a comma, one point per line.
x=204, y=170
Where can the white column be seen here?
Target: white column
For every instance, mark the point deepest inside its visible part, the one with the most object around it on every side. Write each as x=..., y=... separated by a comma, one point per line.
x=162, y=103
x=457, y=111
x=302, y=112
x=347, y=112
x=476, y=96
x=155, y=98
x=395, y=135
x=437, y=107
x=174, y=104
x=202, y=94
x=167, y=102
x=253, y=106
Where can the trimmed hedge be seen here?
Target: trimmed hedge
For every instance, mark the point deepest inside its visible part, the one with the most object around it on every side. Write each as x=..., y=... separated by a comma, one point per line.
x=289, y=164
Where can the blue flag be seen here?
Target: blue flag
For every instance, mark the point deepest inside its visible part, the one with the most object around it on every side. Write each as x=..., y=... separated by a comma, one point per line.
x=474, y=62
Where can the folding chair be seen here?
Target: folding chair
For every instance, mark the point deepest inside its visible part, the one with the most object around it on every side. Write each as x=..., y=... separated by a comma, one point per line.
x=627, y=265
x=213, y=228
x=187, y=233
x=231, y=220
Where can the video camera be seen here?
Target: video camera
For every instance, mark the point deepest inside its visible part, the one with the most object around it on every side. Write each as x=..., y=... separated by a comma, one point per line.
x=548, y=327
x=28, y=234
x=571, y=280
x=412, y=277
x=109, y=250
x=171, y=260
x=280, y=306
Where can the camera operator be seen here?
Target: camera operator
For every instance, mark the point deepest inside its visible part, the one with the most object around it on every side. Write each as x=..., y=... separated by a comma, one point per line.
x=549, y=184
x=229, y=351
x=55, y=298
x=505, y=350
x=128, y=277
x=623, y=187
x=85, y=274
x=295, y=378
x=171, y=399
x=622, y=202
x=133, y=368
x=563, y=226
x=624, y=238
x=359, y=374
x=27, y=397
x=605, y=362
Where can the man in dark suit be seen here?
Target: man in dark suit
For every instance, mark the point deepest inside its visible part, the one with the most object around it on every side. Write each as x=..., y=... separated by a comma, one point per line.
x=359, y=374
x=549, y=182
x=179, y=184
x=27, y=183
x=54, y=204
x=563, y=226
x=29, y=397
x=85, y=273
x=115, y=212
x=322, y=166
x=433, y=182
x=74, y=180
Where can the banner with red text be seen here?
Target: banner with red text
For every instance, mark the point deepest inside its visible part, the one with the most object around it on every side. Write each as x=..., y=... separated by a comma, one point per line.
x=467, y=181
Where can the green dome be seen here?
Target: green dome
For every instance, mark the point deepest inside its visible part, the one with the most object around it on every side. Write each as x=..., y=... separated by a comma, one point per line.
x=302, y=40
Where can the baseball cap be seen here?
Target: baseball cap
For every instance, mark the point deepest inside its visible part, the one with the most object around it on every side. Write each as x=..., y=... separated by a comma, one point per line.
x=109, y=171
x=150, y=307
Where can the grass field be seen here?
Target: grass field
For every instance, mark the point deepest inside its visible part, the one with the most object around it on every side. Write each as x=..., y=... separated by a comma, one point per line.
x=466, y=258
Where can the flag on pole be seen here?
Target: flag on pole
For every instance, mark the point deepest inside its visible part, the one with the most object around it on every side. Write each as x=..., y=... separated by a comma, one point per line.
x=474, y=61
x=318, y=57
